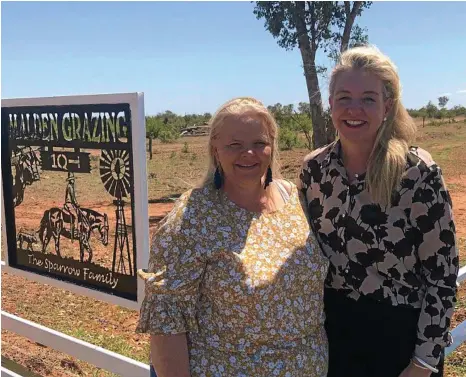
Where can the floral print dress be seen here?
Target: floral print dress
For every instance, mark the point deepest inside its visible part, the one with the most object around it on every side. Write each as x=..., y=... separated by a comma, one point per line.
x=246, y=288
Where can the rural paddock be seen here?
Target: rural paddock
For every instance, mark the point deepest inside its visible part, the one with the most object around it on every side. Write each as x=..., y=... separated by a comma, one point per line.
x=173, y=169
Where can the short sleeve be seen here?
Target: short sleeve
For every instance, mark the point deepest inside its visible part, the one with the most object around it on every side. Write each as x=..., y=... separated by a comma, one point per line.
x=175, y=270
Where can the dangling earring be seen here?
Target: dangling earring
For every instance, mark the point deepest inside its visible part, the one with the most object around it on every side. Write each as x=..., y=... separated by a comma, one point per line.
x=268, y=178
x=218, y=179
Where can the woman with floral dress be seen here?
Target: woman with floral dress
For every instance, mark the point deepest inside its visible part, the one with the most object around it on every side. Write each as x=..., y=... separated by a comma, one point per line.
x=234, y=285
x=380, y=209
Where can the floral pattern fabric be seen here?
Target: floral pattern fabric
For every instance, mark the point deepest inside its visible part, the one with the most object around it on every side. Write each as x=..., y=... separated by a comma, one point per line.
x=247, y=288
x=404, y=254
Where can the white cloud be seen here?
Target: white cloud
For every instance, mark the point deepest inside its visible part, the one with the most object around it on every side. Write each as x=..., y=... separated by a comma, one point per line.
x=461, y=91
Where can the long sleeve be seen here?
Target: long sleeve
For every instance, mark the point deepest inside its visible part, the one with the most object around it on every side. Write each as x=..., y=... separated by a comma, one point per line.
x=175, y=270
x=432, y=214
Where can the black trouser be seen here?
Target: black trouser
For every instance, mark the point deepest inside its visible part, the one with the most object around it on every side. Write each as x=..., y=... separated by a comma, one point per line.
x=368, y=338
x=152, y=371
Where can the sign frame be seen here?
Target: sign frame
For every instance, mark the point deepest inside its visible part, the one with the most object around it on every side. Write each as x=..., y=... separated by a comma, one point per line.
x=135, y=101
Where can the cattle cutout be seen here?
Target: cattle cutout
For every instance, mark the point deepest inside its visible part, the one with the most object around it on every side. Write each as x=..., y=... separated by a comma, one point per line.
x=74, y=186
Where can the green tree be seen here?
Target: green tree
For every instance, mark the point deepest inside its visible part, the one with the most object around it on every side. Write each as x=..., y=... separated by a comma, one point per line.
x=422, y=112
x=458, y=110
x=305, y=122
x=282, y=114
x=442, y=101
x=431, y=110
x=442, y=113
x=153, y=127
x=189, y=119
x=206, y=117
x=291, y=123
x=310, y=25
x=164, y=126
x=413, y=113
x=287, y=139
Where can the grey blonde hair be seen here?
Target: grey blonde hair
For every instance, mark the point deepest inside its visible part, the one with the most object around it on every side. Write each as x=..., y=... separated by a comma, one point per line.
x=387, y=160
x=237, y=107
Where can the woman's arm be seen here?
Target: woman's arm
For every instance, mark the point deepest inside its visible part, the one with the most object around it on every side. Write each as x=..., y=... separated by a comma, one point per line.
x=172, y=279
x=169, y=355
x=432, y=213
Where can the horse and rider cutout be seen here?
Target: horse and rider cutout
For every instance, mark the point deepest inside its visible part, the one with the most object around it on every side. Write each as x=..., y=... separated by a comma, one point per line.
x=73, y=222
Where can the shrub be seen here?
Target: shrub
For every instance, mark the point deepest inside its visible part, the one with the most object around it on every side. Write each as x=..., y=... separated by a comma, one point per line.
x=167, y=136
x=288, y=139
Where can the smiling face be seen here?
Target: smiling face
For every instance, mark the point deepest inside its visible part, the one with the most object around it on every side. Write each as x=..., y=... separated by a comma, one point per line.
x=358, y=106
x=243, y=149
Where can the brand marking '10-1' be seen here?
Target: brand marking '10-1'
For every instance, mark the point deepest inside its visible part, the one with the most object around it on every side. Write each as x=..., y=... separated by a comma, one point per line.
x=59, y=161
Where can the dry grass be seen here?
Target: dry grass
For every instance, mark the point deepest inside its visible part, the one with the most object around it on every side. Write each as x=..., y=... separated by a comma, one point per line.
x=446, y=143
x=173, y=169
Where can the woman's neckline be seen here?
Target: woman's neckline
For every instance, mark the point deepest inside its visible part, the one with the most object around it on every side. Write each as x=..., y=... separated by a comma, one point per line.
x=256, y=214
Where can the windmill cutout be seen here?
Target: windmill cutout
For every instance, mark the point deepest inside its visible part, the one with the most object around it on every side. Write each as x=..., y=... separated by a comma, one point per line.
x=115, y=175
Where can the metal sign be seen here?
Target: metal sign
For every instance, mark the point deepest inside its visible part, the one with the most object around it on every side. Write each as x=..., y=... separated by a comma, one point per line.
x=75, y=192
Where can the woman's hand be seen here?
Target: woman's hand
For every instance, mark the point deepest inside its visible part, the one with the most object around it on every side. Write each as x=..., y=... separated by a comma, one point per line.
x=412, y=370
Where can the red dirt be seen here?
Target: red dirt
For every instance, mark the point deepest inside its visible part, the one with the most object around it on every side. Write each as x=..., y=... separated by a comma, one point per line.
x=159, y=209
x=47, y=362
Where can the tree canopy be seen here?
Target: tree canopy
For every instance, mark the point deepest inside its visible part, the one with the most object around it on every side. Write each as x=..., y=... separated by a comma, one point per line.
x=310, y=26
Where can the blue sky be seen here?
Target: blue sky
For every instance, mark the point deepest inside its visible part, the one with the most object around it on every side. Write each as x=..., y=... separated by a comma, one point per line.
x=191, y=57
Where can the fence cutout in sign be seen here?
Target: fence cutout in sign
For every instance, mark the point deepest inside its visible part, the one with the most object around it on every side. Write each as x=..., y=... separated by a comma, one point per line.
x=75, y=191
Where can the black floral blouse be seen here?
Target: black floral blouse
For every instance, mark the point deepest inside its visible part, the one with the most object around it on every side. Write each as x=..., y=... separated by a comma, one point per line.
x=402, y=254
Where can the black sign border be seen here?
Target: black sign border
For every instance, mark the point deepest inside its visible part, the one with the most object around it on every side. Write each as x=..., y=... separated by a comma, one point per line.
x=7, y=180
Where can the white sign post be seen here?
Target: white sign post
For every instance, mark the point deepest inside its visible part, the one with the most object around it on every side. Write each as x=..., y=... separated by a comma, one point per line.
x=74, y=193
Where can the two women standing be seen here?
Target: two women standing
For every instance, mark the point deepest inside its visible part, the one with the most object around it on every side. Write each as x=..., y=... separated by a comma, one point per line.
x=235, y=284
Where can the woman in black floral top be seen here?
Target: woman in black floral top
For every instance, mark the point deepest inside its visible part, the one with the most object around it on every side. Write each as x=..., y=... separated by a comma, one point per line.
x=383, y=217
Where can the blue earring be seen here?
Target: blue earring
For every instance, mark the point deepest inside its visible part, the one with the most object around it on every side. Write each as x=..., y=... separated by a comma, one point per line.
x=268, y=178
x=218, y=179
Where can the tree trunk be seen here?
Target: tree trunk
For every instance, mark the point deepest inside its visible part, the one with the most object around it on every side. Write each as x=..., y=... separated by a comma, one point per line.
x=315, y=99
x=150, y=147
x=423, y=120
x=350, y=17
x=308, y=53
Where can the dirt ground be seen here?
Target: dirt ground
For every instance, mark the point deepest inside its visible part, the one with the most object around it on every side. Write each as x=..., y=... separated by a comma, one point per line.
x=173, y=169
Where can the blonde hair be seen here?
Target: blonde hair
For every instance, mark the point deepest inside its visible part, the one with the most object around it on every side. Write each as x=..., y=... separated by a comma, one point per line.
x=235, y=108
x=387, y=160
